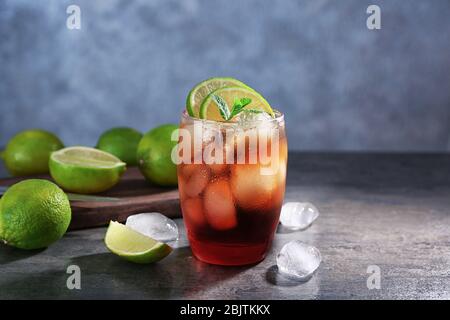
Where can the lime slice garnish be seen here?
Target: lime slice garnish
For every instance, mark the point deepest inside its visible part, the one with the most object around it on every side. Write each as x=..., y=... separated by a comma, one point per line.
x=134, y=246
x=85, y=170
x=204, y=88
x=210, y=111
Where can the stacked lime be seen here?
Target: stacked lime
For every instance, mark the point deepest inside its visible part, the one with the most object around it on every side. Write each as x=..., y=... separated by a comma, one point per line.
x=209, y=110
x=85, y=170
x=198, y=94
x=201, y=102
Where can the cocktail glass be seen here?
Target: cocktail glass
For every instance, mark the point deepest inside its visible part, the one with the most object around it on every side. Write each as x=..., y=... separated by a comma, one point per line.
x=231, y=178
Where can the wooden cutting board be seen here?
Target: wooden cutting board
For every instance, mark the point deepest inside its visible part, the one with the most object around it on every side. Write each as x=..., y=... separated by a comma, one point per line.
x=136, y=196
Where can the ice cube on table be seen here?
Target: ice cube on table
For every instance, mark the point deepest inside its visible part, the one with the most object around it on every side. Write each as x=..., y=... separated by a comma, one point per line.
x=154, y=225
x=298, y=260
x=298, y=215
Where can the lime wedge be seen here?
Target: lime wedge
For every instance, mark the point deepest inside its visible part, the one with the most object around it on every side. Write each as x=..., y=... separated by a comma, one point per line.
x=210, y=111
x=204, y=88
x=85, y=170
x=134, y=246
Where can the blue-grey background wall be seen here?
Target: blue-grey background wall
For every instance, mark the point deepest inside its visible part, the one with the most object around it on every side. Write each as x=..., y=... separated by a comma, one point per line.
x=342, y=86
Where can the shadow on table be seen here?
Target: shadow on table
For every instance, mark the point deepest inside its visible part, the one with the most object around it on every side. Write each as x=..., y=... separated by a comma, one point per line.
x=10, y=254
x=48, y=284
x=178, y=276
x=104, y=275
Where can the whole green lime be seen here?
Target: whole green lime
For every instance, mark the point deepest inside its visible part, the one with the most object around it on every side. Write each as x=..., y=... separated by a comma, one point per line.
x=28, y=152
x=154, y=156
x=121, y=142
x=34, y=213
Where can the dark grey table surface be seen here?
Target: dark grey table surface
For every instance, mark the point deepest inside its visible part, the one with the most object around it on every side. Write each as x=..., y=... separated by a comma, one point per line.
x=388, y=210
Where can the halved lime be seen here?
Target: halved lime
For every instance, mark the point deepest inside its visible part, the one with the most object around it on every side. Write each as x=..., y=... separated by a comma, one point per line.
x=210, y=111
x=134, y=246
x=204, y=88
x=85, y=170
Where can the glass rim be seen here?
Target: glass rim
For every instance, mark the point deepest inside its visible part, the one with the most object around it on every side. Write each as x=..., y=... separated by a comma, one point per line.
x=279, y=118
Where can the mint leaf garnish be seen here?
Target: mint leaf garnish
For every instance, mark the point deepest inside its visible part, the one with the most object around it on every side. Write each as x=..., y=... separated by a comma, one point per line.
x=238, y=106
x=223, y=107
